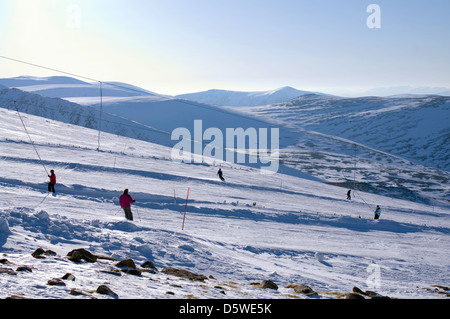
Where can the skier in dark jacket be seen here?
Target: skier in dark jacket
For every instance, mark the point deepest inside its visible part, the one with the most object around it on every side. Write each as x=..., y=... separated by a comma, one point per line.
x=51, y=184
x=348, y=194
x=220, y=174
x=377, y=212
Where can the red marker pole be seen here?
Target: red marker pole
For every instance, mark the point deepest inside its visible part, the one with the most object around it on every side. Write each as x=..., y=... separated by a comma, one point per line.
x=185, y=208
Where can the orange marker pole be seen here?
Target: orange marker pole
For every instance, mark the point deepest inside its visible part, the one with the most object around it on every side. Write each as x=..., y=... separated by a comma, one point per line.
x=185, y=208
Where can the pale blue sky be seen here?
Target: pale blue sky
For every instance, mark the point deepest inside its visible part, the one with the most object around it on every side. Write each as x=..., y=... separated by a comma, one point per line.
x=179, y=46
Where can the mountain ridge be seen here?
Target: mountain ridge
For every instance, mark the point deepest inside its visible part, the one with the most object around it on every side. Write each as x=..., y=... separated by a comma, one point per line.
x=243, y=98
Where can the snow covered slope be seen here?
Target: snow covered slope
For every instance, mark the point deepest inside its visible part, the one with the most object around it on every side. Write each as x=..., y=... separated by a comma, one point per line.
x=252, y=228
x=68, y=112
x=238, y=98
x=159, y=112
x=73, y=89
x=393, y=146
x=395, y=142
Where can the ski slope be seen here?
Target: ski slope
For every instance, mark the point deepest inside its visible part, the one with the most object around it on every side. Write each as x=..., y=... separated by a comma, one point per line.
x=394, y=146
x=299, y=231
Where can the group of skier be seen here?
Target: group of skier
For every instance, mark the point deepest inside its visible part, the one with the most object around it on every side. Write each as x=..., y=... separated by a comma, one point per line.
x=126, y=200
x=377, y=210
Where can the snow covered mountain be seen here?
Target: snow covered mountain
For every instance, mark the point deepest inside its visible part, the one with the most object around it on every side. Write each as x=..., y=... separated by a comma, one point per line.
x=414, y=128
x=160, y=112
x=67, y=87
x=302, y=235
x=238, y=98
x=146, y=117
x=382, y=145
x=72, y=113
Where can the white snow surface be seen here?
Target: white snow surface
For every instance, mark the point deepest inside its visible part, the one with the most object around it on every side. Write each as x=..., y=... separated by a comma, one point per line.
x=298, y=232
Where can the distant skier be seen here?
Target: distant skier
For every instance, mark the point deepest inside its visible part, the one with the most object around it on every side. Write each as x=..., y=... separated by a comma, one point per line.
x=377, y=212
x=348, y=194
x=220, y=174
x=51, y=184
x=125, y=201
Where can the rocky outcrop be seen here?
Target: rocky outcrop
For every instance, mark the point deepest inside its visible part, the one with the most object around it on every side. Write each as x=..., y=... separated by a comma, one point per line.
x=6, y=270
x=76, y=287
x=105, y=290
x=265, y=284
x=56, y=282
x=149, y=266
x=363, y=294
x=304, y=290
x=77, y=255
x=41, y=253
x=183, y=274
x=129, y=267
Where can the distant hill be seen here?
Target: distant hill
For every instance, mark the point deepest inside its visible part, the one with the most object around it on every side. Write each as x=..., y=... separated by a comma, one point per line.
x=238, y=98
x=160, y=112
x=413, y=127
x=74, y=90
x=69, y=112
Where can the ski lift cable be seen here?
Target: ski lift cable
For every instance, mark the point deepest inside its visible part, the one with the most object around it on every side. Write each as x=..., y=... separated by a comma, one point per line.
x=32, y=143
x=355, y=191
x=51, y=69
x=67, y=73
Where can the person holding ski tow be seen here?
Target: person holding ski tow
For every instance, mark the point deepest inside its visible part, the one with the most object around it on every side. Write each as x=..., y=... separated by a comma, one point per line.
x=220, y=174
x=125, y=201
x=51, y=184
x=377, y=212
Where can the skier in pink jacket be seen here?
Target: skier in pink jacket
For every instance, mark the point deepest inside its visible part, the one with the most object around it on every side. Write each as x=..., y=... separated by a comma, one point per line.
x=125, y=201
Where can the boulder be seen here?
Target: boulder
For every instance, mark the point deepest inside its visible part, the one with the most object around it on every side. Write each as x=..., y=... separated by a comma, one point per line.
x=24, y=268
x=105, y=290
x=9, y=271
x=5, y=261
x=149, y=264
x=39, y=252
x=68, y=276
x=183, y=274
x=77, y=255
x=135, y=272
x=56, y=282
x=16, y=296
x=305, y=289
x=368, y=293
x=129, y=267
x=149, y=267
x=76, y=292
x=126, y=263
x=269, y=284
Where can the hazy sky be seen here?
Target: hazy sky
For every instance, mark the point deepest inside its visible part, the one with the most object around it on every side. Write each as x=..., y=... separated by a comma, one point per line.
x=180, y=46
